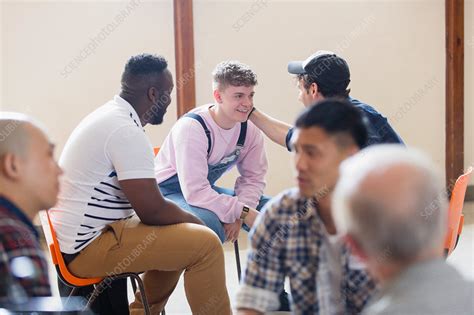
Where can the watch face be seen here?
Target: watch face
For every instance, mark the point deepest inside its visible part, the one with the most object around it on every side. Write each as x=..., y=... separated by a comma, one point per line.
x=245, y=211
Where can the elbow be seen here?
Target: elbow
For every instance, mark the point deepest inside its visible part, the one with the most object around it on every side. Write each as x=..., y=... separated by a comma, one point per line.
x=151, y=216
x=149, y=220
x=192, y=197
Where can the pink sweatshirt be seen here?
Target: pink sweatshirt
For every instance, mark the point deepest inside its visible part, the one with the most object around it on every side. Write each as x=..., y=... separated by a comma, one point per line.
x=184, y=151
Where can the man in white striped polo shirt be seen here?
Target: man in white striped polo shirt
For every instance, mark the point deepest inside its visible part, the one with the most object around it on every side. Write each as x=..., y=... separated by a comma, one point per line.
x=111, y=216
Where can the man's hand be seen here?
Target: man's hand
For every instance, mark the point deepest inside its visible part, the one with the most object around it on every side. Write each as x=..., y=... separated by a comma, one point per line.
x=232, y=230
x=274, y=129
x=250, y=218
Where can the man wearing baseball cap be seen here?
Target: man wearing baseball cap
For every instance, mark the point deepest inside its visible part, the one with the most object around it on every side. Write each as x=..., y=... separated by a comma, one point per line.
x=323, y=75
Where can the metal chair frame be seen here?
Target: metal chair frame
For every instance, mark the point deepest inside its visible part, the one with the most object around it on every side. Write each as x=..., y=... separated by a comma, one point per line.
x=75, y=282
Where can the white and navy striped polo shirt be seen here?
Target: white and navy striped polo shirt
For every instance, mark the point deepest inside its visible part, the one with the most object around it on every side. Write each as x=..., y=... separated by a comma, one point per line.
x=109, y=145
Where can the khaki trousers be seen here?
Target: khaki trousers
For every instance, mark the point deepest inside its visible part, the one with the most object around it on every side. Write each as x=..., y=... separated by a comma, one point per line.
x=163, y=253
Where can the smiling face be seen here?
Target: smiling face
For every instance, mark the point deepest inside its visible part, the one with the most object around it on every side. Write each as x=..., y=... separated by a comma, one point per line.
x=234, y=102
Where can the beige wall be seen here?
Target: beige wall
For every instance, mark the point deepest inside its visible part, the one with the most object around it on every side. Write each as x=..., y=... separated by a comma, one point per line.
x=468, y=85
x=63, y=59
x=395, y=50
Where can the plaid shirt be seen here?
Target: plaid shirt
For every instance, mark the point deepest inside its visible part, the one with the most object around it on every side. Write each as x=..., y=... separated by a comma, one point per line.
x=287, y=241
x=18, y=238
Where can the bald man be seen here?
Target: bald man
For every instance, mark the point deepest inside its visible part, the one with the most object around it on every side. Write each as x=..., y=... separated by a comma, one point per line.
x=390, y=202
x=28, y=183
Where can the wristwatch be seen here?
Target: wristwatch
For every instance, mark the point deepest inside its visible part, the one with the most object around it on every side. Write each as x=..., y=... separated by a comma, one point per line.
x=245, y=212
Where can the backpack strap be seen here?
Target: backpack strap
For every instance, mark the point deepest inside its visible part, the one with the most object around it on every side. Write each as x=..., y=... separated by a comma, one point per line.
x=204, y=126
x=240, y=141
x=242, y=135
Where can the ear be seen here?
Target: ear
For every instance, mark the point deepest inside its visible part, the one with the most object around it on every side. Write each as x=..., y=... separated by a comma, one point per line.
x=313, y=90
x=153, y=94
x=355, y=248
x=217, y=96
x=10, y=166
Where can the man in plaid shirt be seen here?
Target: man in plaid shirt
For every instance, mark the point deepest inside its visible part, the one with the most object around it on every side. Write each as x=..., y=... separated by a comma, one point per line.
x=28, y=183
x=295, y=235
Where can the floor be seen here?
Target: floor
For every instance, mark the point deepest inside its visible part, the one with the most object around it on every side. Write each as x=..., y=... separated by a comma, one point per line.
x=462, y=258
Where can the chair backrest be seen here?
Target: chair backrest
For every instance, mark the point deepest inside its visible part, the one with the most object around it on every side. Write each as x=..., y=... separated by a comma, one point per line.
x=57, y=257
x=455, y=216
x=156, y=150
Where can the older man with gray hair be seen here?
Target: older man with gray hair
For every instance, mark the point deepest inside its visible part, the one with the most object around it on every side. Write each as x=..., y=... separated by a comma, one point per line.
x=28, y=183
x=391, y=204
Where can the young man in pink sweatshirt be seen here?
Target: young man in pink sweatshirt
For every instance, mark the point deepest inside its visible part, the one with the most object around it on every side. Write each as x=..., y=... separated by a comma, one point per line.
x=209, y=141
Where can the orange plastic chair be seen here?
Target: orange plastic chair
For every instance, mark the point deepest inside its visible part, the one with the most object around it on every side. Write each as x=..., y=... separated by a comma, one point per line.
x=75, y=282
x=455, y=215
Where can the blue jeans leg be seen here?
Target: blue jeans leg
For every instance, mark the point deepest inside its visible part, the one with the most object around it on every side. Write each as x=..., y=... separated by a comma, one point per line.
x=208, y=217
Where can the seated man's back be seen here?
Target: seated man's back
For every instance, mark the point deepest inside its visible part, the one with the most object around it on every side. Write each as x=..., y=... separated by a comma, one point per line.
x=381, y=205
x=434, y=287
x=91, y=196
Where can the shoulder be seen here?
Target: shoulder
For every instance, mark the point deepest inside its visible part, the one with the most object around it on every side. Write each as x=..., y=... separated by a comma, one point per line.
x=15, y=235
x=364, y=107
x=110, y=113
x=188, y=122
x=253, y=129
x=285, y=205
x=103, y=122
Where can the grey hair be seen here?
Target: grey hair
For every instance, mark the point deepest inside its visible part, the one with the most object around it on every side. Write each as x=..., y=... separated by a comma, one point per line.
x=407, y=223
x=13, y=134
x=234, y=73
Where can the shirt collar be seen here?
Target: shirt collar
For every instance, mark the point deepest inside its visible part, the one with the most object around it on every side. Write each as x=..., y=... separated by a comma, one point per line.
x=133, y=113
x=14, y=210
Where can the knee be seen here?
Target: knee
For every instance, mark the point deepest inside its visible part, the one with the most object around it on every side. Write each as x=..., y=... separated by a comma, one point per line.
x=215, y=225
x=221, y=236
x=212, y=242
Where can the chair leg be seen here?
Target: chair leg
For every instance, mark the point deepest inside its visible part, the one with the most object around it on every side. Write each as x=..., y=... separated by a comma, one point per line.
x=142, y=293
x=73, y=291
x=93, y=296
x=237, y=259
x=134, y=284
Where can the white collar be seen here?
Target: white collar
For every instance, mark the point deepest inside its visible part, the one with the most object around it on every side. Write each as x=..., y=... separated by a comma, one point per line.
x=133, y=113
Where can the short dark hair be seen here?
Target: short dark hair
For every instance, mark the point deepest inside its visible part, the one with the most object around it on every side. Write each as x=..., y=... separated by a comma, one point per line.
x=324, y=90
x=337, y=117
x=144, y=65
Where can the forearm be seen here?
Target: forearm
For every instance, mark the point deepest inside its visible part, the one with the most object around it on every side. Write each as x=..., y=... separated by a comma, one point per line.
x=168, y=213
x=274, y=129
x=150, y=206
x=249, y=190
